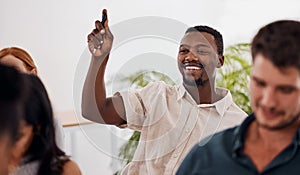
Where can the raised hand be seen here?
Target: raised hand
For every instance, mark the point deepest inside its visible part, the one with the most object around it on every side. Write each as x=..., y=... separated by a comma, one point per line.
x=100, y=39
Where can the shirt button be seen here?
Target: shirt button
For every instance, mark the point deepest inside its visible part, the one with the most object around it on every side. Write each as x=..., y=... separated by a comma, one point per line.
x=187, y=130
x=175, y=155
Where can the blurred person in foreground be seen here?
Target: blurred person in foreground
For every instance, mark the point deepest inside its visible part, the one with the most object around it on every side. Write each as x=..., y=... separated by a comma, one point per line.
x=23, y=62
x=36, y=150
x=12, y=95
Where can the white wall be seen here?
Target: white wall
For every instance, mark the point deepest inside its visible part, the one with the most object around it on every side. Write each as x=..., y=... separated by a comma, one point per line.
x=54, y=32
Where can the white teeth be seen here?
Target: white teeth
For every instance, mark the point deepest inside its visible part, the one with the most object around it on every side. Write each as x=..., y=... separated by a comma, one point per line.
x=192, y=68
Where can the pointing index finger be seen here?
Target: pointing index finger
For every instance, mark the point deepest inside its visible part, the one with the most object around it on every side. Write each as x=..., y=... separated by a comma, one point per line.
x=104, y=17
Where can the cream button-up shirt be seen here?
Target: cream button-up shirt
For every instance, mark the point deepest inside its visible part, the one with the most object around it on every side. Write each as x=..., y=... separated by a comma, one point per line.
x=171, y=123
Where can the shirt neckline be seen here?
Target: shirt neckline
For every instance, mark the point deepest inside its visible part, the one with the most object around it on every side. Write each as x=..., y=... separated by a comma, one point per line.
x=239, y=136
x=220, y=105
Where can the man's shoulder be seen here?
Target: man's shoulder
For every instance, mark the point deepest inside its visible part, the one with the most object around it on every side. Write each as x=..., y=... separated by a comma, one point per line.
x=161, y=83
x=220, y=137
x=157, y=86
x=205, y=152
x=237, y=109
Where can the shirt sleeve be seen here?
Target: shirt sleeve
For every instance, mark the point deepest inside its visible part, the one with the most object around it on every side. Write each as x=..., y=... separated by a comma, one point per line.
x=137, y=104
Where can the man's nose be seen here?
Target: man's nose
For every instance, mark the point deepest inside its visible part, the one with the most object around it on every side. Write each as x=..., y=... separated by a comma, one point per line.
x=191, y=56
x=268, y=97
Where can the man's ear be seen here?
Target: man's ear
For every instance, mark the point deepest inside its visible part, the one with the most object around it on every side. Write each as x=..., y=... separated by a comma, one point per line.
x=220, y=61
x=33, y=71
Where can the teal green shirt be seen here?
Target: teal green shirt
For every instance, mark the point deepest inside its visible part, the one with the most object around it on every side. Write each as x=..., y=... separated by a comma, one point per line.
x=223, y=155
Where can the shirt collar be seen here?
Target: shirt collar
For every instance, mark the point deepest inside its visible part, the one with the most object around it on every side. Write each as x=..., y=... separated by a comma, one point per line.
x=221, y=106
x=240, y=135
x=182, y=91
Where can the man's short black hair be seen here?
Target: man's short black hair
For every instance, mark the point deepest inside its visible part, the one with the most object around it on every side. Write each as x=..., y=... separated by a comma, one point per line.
x=279, y=42
x=217, y=35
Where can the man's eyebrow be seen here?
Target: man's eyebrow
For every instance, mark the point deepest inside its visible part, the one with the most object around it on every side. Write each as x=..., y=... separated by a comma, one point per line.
x=198, y=45
x=184, y=45
x=255, y=78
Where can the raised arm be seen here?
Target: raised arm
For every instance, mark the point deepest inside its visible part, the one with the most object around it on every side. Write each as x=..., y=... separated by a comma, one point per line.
x=95, y=105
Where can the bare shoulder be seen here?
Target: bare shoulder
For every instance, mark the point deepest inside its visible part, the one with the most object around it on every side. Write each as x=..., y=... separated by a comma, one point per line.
x=71, y=168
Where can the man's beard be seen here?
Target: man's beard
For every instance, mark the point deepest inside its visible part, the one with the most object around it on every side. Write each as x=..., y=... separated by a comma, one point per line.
x=197, y=83
x=283, y=125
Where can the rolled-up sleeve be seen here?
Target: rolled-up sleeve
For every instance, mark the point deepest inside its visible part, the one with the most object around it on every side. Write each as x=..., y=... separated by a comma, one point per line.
x=136, y=103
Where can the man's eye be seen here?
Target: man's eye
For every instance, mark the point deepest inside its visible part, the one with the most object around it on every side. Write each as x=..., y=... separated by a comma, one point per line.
x=202, y=52
x=286, y=90
x=260, y=83
x=183, y=51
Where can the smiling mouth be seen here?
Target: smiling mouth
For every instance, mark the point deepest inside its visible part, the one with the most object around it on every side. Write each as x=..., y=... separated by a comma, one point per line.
x=193, y=67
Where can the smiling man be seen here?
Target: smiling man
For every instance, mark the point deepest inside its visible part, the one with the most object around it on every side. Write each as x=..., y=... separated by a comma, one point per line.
x=267, y=142
x=171, y=118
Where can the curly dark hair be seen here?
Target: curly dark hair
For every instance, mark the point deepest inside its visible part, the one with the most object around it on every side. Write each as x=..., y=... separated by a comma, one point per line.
x=279, y=42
